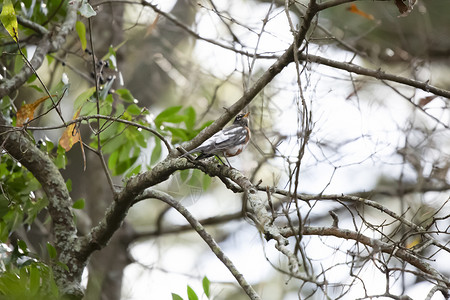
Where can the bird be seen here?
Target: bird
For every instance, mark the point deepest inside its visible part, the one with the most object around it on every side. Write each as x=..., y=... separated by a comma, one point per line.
x=228, y=142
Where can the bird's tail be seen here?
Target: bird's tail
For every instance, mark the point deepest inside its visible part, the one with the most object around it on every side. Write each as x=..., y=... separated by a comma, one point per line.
x=189, y=152
x=202, y=155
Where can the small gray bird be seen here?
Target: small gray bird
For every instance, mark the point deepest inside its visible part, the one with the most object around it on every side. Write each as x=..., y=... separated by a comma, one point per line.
x=228, y=142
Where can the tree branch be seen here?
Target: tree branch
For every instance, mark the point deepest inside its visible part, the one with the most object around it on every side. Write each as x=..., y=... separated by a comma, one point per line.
x=216, y=220
x=205, y=236
x=50, y=42
x=87, y=118
x=375, y=244
x=248, y=96
x=378, y=74
x=41, y=166
x=20, y=147
x=32, y=25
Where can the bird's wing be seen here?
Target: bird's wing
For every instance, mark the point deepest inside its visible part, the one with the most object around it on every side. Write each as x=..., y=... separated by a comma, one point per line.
x=228, y=137
x=224, y=139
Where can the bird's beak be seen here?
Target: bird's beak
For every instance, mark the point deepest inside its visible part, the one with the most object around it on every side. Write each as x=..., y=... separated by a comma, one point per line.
x=246, y=115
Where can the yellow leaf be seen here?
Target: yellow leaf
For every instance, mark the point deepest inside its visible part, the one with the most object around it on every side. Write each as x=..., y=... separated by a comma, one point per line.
x=26, y=112
x=413, y=242
x=71, y=135
x=9, y=19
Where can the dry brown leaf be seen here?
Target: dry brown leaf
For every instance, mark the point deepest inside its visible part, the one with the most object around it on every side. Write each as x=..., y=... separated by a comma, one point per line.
x=425, y=100
x=402, y=7
x=71, y=135
x=405, y=6
x=354, y=9
x=26, y=112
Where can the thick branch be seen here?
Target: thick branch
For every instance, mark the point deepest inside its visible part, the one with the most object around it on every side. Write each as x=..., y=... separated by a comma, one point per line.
x=116, y=213
x=19, y=146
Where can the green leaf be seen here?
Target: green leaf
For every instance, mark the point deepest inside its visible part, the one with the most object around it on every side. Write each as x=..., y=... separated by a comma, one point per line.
x=176, y=297
x=190, y=117
x=206, y=124
x=51, y=251
x=89, y=108
x=206, y=284
x=133, y=172
x=61, y=159
x=178, y=134
x=81, y=30
x=125, y=95
x=133, y=109
x=111, y=58
x=35, y=279
x=206, y=182
x=124, y=165
x=69, y=185
x=191, y=294
x=79, y=204
x=167, y=114
x=156, y=153
x=184, y=175
x=31, y=79
x=86, y=10
x=105, y=90
x=63, y=265
x=83, y=97
x=112, y=161
x=23, y=246
x=114, y=143
x=19, y=62
x=9, y=19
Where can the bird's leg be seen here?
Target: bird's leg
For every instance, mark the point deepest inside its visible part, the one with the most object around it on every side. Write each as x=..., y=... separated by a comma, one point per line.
x=218, y=157
x=227, y=161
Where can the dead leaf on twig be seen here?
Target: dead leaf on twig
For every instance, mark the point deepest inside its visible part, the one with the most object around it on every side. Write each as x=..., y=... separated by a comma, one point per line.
x=71, y=136
x=405, y=8
x=425, y=100
x=26, y=112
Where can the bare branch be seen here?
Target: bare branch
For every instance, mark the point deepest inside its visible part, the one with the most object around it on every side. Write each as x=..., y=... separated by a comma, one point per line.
x=197, y=226
x=376, y=244
x=378, y=74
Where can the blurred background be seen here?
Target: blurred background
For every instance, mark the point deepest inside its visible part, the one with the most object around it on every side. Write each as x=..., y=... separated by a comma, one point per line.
x=345, y=133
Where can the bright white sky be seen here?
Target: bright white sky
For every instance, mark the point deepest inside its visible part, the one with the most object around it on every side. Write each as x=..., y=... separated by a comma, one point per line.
x=375, y=128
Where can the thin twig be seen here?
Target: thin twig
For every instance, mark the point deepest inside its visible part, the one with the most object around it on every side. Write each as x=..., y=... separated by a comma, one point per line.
x=97, y=133
x=28, y=63
x=87, y=118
